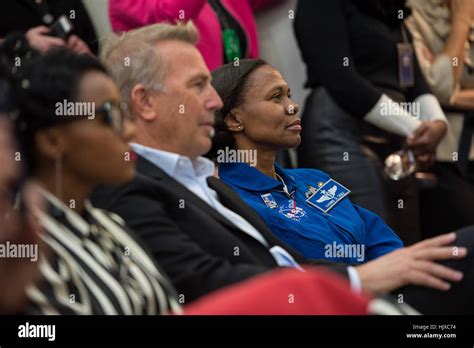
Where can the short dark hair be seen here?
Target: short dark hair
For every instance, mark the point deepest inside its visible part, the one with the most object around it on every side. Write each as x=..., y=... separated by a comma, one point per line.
x=231, y=82
x=40, y=83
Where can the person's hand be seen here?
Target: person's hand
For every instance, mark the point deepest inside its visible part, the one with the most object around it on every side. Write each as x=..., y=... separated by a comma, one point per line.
x=41, y=42
x=426, y=137
x=462, y=11
x=75, y=44
x=414, y=265
x=425, y=161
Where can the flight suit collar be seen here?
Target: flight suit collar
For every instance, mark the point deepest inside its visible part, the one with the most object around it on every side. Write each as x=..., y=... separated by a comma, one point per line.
x=250, y=178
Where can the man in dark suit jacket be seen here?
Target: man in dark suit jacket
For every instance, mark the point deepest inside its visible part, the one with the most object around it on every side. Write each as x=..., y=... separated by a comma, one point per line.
x=199, y=249
x=202, y=234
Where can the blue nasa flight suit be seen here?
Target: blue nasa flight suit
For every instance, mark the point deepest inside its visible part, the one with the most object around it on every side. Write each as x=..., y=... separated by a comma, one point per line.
x=314, y=233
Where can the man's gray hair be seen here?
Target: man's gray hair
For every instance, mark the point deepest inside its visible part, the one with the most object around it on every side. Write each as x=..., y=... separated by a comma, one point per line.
x=133, y=59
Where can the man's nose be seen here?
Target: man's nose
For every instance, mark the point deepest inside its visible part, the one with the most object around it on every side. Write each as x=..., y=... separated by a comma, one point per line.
x=214, y=101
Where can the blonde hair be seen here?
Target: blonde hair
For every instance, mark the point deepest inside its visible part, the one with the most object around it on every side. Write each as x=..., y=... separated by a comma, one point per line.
x=132, y=57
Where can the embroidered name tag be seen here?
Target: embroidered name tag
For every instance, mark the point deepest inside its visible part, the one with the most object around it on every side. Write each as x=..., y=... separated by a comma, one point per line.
x=328, y=195
x=269, y=200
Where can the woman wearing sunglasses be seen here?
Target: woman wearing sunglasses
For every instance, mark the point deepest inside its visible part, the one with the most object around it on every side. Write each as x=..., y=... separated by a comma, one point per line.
x=73, y=136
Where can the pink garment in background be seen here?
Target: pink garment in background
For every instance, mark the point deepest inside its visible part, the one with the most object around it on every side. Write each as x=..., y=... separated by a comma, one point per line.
x=129, y=14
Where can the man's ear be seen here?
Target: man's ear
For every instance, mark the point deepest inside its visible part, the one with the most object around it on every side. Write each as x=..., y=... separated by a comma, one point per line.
x=233, y=122
x=142, y=103
x=51, y=143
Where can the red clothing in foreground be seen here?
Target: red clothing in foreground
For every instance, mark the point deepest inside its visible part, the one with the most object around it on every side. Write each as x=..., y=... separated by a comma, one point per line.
x=284, y=292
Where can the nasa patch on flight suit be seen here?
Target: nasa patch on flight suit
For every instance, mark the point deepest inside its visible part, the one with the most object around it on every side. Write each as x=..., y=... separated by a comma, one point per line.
x=328, y=195
x=269, y=200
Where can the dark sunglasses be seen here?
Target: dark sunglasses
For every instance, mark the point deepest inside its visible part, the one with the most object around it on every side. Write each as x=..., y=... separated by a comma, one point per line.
x=113, y=115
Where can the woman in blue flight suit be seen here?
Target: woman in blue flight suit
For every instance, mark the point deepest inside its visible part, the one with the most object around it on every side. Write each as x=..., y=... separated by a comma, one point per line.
x=303, y=207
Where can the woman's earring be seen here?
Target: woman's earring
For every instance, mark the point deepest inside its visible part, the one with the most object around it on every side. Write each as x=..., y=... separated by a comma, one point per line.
x=59, y=178
x=240, y=127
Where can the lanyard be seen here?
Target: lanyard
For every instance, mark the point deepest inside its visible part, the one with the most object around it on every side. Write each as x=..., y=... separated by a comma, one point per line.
x=285, y=188
x=230, y=37
x=406, y=61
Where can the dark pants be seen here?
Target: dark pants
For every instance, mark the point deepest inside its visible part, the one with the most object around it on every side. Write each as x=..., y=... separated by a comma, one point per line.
x=460, y=298
x=449, y=205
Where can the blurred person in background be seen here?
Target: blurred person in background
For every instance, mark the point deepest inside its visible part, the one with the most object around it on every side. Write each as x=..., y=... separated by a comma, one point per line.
x=226, y=27
x=29, y=21
x=443, y=38
x=16, y=227
x=352, y=50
